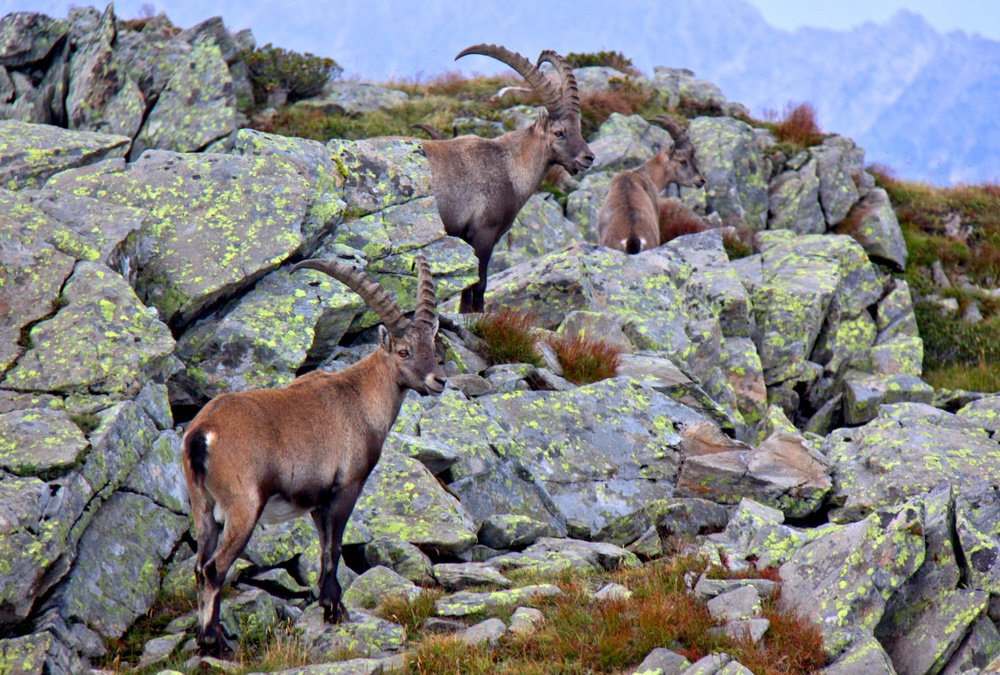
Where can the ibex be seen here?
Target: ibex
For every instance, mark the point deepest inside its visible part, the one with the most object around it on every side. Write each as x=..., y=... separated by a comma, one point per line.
x=481, y=184
x=272, y=455
x=629, y=218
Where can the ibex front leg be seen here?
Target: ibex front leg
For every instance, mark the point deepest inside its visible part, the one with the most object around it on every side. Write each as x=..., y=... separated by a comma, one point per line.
x=330, y=521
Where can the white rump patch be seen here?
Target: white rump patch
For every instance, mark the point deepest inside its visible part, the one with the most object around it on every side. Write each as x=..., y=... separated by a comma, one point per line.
x=278, y=510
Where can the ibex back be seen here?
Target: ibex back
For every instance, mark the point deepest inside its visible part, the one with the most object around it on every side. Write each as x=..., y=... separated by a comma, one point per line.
x=481, y=184
x=272, y=455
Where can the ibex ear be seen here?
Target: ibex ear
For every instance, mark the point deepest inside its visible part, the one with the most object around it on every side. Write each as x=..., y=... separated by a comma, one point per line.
x=543, y=118
x=384, y=339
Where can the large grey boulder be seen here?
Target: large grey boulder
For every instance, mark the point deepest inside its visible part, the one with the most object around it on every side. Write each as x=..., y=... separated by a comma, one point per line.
x=870, y=473
x=540, y=227
x=626, y=142
x=873, y=223
x=39, y=540
x=734, y=170
x=403, y=499
x=31, y=153
x=354, y=98
x=836, y=159
x=793, y=201
x=33, y=274
x=260, y=340
x=828, y=579
x=361, y=633
x=584, y=204
x=28, y=37
x=100, y=96
x=209, y=234
x=600, y=451
x=103, y=341
x=93, y=591
x=197, y=106
x=679, y=84
x=326, y=205
x=381, y=172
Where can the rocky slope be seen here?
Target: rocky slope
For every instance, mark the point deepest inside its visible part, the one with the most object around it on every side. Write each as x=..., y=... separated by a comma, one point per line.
x=774, y=401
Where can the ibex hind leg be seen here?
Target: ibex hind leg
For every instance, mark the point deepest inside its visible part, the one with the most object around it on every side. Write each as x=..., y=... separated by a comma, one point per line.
x=240, y=521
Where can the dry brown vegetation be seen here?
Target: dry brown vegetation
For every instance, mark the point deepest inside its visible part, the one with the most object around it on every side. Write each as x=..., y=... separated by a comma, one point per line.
x=508, y=336
x=585, y=359
x=676, y=220
x=796, y=125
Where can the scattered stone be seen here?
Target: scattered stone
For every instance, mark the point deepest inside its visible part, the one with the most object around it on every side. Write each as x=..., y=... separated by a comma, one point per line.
x=464, y=603
x=525, y=620
x=459, y=576
x=737, y=605
x=662, y=661
x=489, y=631
x=612, y=592
x=378, y=583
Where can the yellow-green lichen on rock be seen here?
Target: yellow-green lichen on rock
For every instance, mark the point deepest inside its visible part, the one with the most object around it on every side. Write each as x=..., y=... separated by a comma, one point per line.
x=102, y=341
x=31, y=153
x=34, y=442
x=906, y=450
x=216, y=222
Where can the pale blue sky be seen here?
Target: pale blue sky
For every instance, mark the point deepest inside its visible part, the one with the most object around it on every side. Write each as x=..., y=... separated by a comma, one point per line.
x=972, y=16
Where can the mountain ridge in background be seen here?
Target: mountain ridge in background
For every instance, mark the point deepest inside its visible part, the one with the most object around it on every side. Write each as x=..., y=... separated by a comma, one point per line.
x=920, y=101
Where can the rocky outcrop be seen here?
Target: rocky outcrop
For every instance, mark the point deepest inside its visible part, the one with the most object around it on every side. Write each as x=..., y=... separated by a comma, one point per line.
x=134, y=290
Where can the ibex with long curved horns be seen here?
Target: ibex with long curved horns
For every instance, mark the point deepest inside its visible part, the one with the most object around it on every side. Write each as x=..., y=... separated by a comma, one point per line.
x=629, y=218
x=272, y=455
x=481, y=184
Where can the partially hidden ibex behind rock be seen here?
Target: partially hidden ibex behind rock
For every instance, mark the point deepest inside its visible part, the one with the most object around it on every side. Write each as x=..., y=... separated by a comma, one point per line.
x=629, y=219
x=272, y=455
x=481, y=184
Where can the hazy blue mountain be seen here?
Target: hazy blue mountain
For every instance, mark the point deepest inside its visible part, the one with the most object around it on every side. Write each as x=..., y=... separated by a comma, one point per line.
x=923, y=102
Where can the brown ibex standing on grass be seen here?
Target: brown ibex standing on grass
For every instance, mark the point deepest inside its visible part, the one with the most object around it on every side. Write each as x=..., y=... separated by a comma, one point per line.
x=629, y=218
x=272, y=455
x=481, y=184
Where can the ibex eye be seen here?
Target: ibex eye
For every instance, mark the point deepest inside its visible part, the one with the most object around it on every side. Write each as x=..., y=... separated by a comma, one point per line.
x=403, y=353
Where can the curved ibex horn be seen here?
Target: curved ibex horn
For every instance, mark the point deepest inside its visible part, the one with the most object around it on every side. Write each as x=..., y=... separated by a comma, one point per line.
x=551, y=99
x=673, y=127
x=435, y=134
x=570, y=93
x=368, y=289
x=426, y=300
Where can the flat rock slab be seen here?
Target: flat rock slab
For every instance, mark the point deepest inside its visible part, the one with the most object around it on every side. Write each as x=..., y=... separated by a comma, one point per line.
x=361, y=633
x=348, y=667
x=104, y=340
x=36, y=442
x=217, y=222
x=908, y=449
x=465, y=603
x=550, y=555
x=459, y=576
x=32, y=273
x=31, y=153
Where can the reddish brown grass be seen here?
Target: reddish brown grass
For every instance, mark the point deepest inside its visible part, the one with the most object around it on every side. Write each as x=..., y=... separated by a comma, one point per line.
x=586, y=359
x=507, y=335
x=625, y=98
x=798, y=125
x=676, y=219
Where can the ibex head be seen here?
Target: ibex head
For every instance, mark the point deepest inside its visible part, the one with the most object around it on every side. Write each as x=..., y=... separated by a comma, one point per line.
x=679, y=160
x=558, y=123
x=408, y=344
